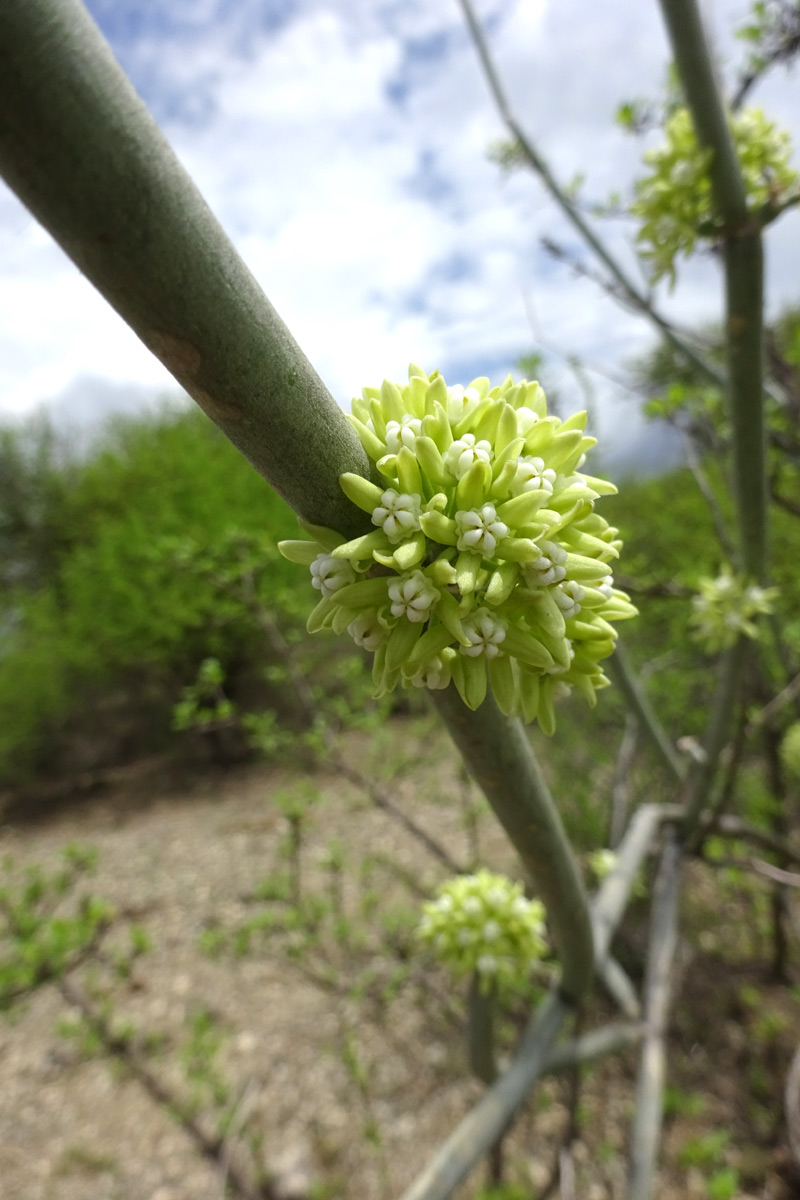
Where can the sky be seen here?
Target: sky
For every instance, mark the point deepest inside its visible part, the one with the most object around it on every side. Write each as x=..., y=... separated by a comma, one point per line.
x=343, y=146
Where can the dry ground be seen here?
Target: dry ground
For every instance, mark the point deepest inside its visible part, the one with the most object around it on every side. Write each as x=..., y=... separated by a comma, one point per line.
x=351, y=1096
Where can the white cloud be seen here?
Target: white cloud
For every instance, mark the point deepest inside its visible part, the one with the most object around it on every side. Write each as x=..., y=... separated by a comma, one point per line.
x=345, y=154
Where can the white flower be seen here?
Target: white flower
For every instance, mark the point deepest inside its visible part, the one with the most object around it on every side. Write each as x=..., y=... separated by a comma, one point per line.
x=328, y=574
x=413, y=596
x=491, y=931
x=402, y=433
x=472, y=906
x=462, y=453
x=480, y=531
x=433, y=674
x=465, y=937
x=397, y=514
x=548, y=568
x=526, y=419
x=568, y=597
x=533, y=476
x=485, y=633
x=367, y=631
x=487, y=965
x=460, y=402
x=606, y=587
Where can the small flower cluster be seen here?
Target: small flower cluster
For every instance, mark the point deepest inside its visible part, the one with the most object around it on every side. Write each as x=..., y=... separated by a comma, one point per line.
x=487, y=563
x=484, y=924
x=726, y=608
x=602, y=863
x=674, y=202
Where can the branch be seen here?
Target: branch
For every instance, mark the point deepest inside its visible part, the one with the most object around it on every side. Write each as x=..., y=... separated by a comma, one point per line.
x=495, y=1111
x=500, y=757
x=80, y=149
x=640, y=302
x=620, y=670
x=649, y=1102
x=744, y=272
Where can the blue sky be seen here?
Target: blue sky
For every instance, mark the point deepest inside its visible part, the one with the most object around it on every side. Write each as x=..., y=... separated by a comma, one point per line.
x=342, y=144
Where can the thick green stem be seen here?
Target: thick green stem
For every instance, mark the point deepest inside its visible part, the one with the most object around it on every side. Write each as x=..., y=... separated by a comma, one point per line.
x=80, y=149
x=500, y=758
x=744, y=271
x=744, y=280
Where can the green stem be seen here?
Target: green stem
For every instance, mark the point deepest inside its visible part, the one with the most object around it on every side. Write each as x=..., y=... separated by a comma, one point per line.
x=500, y=758
x=744, y=284
x=80, y=149
x=620, y=669
x=480, y=1030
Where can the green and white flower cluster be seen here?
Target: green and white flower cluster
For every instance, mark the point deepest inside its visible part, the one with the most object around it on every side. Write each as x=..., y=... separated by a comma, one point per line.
x=726, y=608
x=674, y=202
x=487, y=563
x=484, y=924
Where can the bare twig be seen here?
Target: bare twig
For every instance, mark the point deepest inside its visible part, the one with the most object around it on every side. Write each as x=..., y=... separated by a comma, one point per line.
x=707, y=492
x=621, y=784
x=212, y=1146
x=627, y=289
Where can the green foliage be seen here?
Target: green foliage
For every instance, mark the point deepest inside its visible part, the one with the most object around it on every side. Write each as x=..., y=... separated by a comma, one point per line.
x=114, y=608
x=40, y=939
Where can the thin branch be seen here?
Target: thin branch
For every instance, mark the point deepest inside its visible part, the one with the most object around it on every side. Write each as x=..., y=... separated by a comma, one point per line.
x=707, y=492
x=379, y=796
x=618, y=984
x=495, y=1111
x=730, y=826
x=646, y=1134
x=640, y=302
x=591, y=1047
x=213, y=1147
x=723, y=707
x=620, y=786
x=620, y=669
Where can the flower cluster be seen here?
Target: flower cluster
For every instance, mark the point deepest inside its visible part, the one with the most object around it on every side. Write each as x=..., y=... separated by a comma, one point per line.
x=602, y=863
x=674, y=202
x=487, y=563
x=726, y=608
x=484, y=924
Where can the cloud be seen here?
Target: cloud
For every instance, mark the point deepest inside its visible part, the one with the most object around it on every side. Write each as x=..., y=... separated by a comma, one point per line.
x=342, y=144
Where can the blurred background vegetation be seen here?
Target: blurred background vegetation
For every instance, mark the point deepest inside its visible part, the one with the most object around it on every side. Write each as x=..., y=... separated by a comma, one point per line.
x=124, y=567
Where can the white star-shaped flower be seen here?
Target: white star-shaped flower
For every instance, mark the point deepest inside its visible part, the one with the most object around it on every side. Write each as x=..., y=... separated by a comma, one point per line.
x=480, y=530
